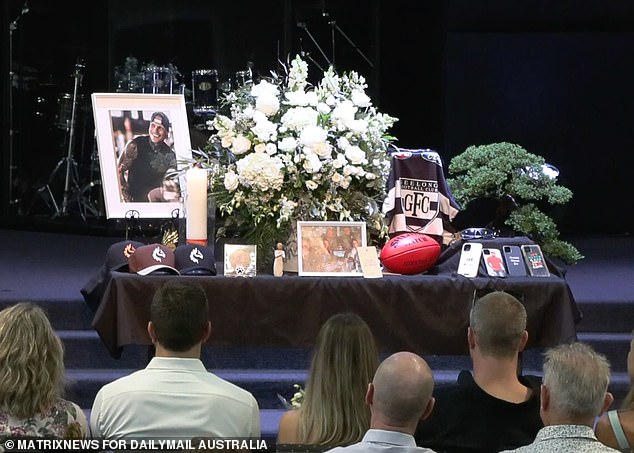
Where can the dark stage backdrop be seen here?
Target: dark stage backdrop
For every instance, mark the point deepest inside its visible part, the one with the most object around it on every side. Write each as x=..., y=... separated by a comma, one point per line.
x=554, y=77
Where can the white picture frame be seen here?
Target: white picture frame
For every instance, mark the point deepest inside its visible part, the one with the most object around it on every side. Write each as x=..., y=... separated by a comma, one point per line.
x=326, y=248
x=110, y=111
x=240, y=260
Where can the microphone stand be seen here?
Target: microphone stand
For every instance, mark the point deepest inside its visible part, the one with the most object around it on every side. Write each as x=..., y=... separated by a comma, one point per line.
x=13, y=26
x=334, y=26
x=69, y=156
x=303, y=26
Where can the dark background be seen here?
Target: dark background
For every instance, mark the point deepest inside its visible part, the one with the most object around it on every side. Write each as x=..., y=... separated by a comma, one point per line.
x=554, y=77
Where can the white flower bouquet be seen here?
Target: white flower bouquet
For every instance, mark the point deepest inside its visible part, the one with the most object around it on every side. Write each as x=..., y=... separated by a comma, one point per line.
x=288, y=151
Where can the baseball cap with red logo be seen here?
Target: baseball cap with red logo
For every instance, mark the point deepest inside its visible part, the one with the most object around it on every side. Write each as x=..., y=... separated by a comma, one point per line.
x=118, y=254
x=152, y=259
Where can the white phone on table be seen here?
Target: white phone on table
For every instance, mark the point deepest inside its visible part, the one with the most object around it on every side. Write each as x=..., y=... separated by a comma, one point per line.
x=470, y=259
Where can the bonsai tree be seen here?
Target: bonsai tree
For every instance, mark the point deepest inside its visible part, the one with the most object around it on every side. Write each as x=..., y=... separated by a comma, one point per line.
x=519, y=182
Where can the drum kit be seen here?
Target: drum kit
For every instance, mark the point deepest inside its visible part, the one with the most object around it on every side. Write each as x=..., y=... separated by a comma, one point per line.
x=206, y=85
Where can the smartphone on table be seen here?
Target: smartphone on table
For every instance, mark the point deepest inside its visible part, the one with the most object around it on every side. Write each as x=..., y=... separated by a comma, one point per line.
x=535, y=261
x=470, y=259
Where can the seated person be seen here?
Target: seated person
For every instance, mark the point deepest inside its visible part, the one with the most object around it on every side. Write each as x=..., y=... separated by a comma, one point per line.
x=32, y=378
x=175, y=396
x=399, y=396
x=493, y=408
x=333, y=411
x=574, y=393
x=616, y=428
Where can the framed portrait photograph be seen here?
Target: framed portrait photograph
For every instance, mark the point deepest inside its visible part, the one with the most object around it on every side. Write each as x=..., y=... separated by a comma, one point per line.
x=329, y=248
x=240, y=260
x=141, y=139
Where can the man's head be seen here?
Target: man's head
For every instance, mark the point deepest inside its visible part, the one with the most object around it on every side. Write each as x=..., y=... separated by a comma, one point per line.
x=159, y=127
x=575, y=385
x=179, y=316
x=497, y=325
x=400, y=394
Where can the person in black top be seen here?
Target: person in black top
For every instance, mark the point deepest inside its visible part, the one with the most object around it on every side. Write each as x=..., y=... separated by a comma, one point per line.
x=491, y=409
x=144, y=163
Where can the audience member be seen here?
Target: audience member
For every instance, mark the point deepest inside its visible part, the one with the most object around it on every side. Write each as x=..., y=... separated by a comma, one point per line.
x=32, y=378
x=616, y=428
x=175, y=396
x=493, y=408
x=399, y=396
x=574, y=393
x=333, y=412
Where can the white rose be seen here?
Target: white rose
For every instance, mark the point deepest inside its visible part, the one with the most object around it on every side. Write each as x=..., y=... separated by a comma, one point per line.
x=359, y=98
x=240, y=145
x=287, y=144
x=323, y=108
x=271, y=149
x=312, y=164
x=311, y=185
x=343, y=114
x=358, y=126
x=260, y=148
x=346, y=182
x=263, y=88
x=322, y=149
x=299, y=98
x=355, y=155
x=343, y=143
x=226, y=141
x=339, y=161
x=337, y=178
x=268, y=104
x=311, y=135
x=231, y=181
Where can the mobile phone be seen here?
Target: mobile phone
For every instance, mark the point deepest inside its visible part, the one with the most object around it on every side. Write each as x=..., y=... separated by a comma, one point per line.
x=493, y=262
x=535, y=261
x=470, y=259
x=514, y=260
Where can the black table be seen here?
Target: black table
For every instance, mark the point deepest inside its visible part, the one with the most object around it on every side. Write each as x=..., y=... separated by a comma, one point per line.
x=426, y=314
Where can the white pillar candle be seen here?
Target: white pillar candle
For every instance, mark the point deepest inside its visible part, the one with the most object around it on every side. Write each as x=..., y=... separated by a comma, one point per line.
x=196, y=206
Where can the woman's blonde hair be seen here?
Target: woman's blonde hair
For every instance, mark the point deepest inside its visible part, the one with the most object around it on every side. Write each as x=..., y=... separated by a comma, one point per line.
x=344, y=360
x=31, y=361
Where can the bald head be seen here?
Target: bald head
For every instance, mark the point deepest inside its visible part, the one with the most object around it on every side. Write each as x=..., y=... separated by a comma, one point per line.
x=402, y=386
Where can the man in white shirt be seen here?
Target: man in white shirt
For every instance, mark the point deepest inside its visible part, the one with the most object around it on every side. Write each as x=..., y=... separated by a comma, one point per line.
x=399, y=396
x=175, y=396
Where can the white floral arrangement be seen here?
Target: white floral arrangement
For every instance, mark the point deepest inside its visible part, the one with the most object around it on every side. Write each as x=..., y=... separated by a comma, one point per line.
x=291, y=151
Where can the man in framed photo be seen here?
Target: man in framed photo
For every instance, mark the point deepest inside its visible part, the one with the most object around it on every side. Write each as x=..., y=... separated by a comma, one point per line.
x=145, y=162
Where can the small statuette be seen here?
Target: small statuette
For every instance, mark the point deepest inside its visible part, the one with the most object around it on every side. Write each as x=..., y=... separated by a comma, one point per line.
x=278, y=262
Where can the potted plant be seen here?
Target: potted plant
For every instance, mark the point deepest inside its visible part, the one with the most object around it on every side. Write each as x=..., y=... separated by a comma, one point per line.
x=519, y=182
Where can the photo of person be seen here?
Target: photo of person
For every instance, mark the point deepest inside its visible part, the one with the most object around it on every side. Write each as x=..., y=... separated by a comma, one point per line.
x=330, y=247
x=147, y=159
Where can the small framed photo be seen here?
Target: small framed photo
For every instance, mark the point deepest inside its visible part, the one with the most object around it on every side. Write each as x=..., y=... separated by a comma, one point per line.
x=143, y=140
x=329, y=248
x=240, y=260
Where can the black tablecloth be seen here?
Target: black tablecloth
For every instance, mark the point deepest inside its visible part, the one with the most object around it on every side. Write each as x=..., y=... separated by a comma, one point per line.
x=427, y=314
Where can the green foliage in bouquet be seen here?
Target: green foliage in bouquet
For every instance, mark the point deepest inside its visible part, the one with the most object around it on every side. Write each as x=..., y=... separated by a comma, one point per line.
x=508, y=173
x=284, y=150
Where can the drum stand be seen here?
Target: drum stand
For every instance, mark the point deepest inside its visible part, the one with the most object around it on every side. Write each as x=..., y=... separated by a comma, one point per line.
x=71, y=168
